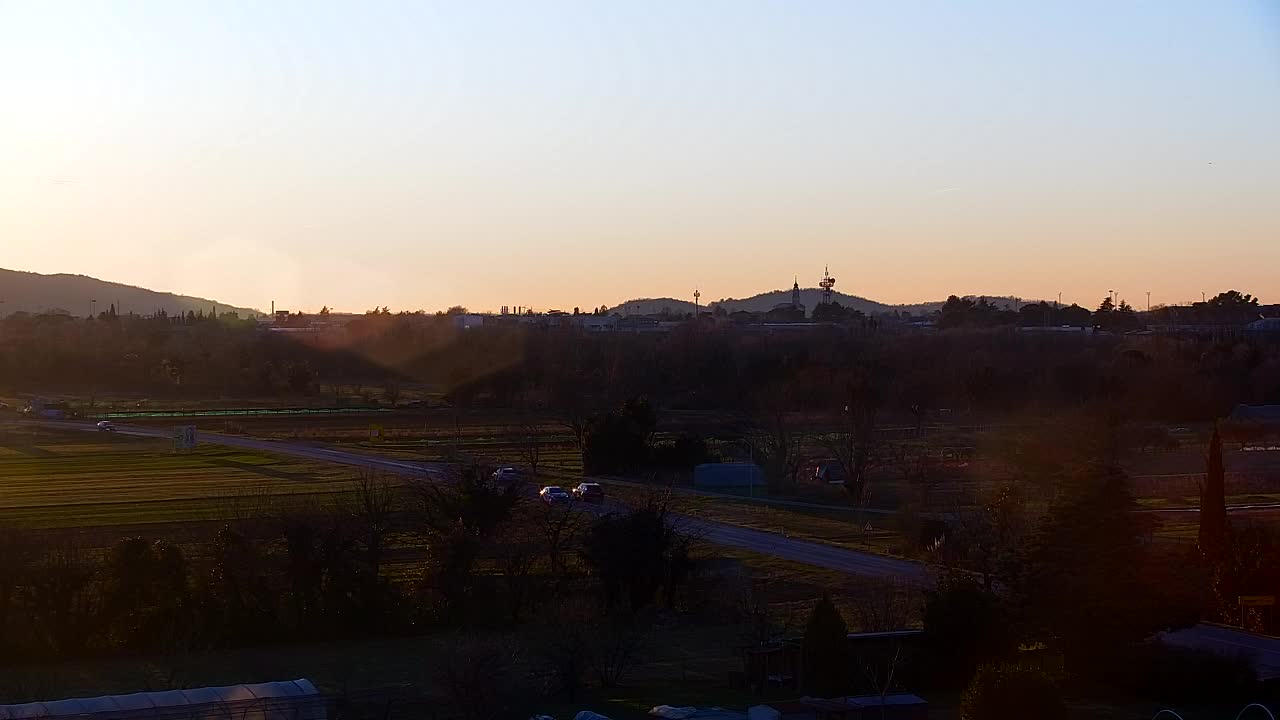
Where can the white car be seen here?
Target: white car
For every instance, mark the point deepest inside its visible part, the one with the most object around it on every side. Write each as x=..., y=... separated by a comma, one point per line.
x=106, y=426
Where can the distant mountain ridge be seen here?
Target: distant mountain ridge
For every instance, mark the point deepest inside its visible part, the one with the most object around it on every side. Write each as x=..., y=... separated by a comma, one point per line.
x=809, y=297
x=34, y=292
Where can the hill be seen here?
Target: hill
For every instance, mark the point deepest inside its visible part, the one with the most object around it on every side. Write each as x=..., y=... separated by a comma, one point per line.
x=33, y=292
x=809, y=297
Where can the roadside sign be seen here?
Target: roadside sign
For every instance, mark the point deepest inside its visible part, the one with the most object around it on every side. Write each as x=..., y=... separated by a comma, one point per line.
x=1257, y=600
x=184, y=437
x=376, y=434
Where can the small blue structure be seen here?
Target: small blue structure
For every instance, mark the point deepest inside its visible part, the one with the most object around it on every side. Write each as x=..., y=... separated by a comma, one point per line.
x=727, y=475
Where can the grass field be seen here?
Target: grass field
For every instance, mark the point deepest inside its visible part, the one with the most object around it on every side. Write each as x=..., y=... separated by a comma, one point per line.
x=63, y=480
x=680, y=666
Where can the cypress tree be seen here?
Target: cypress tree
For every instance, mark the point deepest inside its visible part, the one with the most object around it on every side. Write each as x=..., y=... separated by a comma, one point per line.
x=1213, y=501
x=826, y=640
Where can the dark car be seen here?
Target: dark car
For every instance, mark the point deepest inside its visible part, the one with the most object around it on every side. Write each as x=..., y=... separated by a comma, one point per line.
x=554, y=495
x=589, y=492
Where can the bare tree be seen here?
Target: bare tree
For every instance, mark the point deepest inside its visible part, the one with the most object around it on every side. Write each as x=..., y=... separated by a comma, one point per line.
x=375, y=499
x=753, y=606
x=883, y=604
x=881, y=670
x=571, y=410
x=560, y=528
x=391, y=392
x=15, y=568
x=249, y=503
x=855, y=446
x=530, y=446
x=616, y=646
x=66, y=602
x=773, y=439
x=562, y=644
x=519, y=562
x=476, y=677
x=986, y=537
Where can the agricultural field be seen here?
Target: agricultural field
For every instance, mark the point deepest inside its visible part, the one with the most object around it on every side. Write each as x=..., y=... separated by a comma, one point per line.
x=497, y=438
x=73, y=479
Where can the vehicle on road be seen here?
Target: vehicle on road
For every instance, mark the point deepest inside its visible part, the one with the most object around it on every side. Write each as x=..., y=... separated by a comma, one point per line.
x=554, y=495
x=506, y=474
x=106, y=426
x=589, y=492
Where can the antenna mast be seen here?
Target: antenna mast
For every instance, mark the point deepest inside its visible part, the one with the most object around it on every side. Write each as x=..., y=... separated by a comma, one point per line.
x=826, y=284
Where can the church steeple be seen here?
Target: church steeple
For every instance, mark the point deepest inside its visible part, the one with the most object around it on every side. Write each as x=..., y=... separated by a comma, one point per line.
x=795, y=293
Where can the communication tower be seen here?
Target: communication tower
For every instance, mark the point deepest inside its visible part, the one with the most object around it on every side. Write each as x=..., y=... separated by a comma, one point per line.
x=826, y=284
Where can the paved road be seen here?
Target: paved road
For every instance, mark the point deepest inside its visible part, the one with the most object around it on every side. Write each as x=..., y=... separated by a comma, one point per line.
x=307, y=451
x=819, y=554
x=1263, y=651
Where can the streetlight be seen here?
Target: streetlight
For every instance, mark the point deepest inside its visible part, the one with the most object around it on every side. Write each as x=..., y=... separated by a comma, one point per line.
x=1055, y=307
x=1148, y=301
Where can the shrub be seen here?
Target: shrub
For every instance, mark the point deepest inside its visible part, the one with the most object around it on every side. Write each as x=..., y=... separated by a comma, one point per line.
x=1012, y=692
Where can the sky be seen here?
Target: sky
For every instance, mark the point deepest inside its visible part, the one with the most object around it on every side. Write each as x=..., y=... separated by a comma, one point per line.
x=557, y=154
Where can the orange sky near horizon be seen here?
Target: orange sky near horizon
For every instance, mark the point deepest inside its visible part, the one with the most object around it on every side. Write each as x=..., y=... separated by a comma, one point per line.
x=564, y=154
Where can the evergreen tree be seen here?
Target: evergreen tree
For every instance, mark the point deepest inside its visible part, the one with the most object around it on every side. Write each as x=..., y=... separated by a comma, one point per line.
x=825, y=650
x=1213, y=501
x=1078, y=580
x=965, y=625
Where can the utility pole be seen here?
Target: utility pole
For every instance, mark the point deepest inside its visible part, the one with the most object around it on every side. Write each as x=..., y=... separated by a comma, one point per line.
x=1148, y=301
x=1055, y=307
x=93, y=308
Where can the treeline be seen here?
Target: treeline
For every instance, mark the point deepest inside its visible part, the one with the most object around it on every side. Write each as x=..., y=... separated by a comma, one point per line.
x=981, y=372
x=1113, y=314
x=1045, y=602
x=387, y=558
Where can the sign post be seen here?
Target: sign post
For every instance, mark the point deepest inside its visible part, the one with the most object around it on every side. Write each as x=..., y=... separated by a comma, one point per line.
x=1258, y=601
x=184, y=438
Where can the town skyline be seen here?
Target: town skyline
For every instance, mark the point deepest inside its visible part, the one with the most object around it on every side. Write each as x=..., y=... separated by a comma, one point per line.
x=27, y=291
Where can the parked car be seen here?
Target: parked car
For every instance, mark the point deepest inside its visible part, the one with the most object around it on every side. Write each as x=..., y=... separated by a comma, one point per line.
x=106, y=426
x=554, y=495
x=589, y=492
x=506, y=474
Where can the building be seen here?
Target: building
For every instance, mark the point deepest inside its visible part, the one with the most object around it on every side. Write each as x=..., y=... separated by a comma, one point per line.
x=727, y=475
x=466, y=321
x=291, y=700
x=1266, y=417
x=1263, y=326
x=597, y=323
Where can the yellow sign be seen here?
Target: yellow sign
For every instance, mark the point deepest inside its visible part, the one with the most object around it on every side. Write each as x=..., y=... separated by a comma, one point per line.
x=376, y=434
x=1257, y=600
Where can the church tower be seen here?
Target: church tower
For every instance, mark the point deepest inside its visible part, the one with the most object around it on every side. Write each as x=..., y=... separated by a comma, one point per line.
x=795, y=294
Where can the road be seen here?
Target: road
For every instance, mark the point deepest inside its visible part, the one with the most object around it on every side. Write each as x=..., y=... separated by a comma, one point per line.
x=1261, y=650
x=821, y=555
